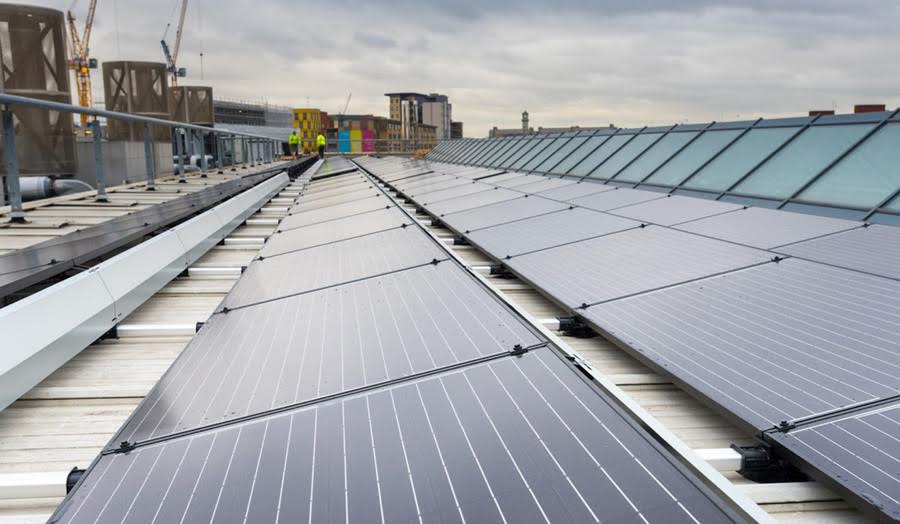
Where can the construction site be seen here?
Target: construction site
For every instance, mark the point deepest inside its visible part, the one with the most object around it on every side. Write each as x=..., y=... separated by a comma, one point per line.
x=695, y=322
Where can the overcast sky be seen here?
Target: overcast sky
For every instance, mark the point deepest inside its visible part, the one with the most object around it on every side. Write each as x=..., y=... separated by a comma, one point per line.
x=568, y=62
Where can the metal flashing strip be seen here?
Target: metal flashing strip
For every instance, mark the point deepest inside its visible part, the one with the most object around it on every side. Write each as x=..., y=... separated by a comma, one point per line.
x=87, y=305
x=34, y=264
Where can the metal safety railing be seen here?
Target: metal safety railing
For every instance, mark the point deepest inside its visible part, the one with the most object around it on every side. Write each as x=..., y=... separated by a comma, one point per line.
x=259, y=149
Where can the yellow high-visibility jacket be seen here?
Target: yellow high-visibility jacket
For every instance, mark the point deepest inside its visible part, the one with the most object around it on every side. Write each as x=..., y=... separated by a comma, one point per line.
x=320, y=140
x=294, y=140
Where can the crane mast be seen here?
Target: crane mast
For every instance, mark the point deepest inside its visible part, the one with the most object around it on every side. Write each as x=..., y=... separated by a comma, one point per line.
x=80, y=61
x=172, y=54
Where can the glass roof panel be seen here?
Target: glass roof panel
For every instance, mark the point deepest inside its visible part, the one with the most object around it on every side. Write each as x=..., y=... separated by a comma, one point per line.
x=516, y=146
x=585, y=149
x=560, y=154
x=522, y=151
x=602, y=153
x=865, y=177
x=740, y=158
x=692, y=157
x=539, y=159
x=624, y=155
x=656, y=155
x=806, y=156
x=542, y=144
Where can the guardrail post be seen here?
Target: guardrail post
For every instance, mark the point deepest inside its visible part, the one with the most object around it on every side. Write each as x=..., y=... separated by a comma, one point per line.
x=243, y=153
x=233, y=153
x=13, y=189
x=203, y=164
x=98, y=160
x=250, y=149
x=179, y=152
x=220, y=157
x=148, y=155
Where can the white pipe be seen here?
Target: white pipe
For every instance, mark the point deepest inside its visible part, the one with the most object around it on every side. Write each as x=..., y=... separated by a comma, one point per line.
x=33, y=485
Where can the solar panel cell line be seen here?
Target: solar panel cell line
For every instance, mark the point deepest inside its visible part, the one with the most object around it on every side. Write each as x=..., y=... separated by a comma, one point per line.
x=874, y=249
x=675, y=210
x=621, y=197
x=767, y=228
x=289, y=240
x=629, y=262
x=501, y=212
x=328, y=342
x=577, y=190
x=354, y=207
x=313, y=202
x=543, y=185
x=857, y=452
x=546, y=231
x=333, y=264
x=772, y=343
x=471, y=201
x=516, y=440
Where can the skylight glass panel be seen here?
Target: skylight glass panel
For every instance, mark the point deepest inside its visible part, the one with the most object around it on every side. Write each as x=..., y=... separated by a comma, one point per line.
x=865, y=177
x=786, y=172
x=625, y=155
x=565, y=150
x=740, y=158
x=578, y=155
x=602, y=153
x=656, y=155
x=692, y=157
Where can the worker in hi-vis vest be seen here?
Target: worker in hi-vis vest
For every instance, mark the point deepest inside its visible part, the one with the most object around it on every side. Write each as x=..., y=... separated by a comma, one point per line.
x=321, y=142
x=294, y=143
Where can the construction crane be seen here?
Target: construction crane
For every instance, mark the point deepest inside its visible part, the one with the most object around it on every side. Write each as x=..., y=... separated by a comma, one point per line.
x=347, y=105
x=80, y=62
x=175, y=72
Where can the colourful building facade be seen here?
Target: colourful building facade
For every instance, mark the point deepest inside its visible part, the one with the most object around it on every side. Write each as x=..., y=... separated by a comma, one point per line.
x=308, y=123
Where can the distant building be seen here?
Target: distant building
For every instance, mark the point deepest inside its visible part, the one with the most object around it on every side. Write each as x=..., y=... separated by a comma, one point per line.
x=456, y=130
x=308, y=123
x=413, y=109
x=251, y=113
x=524, y=130
x=386, y=132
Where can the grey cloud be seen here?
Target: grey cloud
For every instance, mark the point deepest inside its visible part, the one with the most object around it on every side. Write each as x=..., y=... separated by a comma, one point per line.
x=587, y=62
x=374, y=40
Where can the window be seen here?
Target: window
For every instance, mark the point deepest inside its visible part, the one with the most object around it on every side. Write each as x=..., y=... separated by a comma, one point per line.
x=656, y=155
x=609, y=147
x=740, y=158
x=562, y=153
x=865, y=177
x=625, y=155
x=692, y=157
x=551, y=147
x=786, y=172
x=577, y=155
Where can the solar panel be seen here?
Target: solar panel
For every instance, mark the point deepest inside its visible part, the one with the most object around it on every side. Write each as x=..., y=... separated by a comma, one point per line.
x=355, y=207
x=519, y=179
x=629, y=262
x=545, y=184
x=432, y=187
x=675, y=210
x=858, y=452
x=311, y=202
x=333, y=264
x=363, y=185
x=328, y=342
x=471, y=201
x=574, y=191
x=422, y=180
x=545, y=231
x=515, y=440
x=767, y=228
x=446, y=194
x=407, y=174
x=621, y=197
x=287, y=240
x=874, y=249
x=773, y=343
x=501, y=212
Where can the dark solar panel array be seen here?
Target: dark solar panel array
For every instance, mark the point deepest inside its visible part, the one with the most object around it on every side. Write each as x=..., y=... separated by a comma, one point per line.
x=358, y=381
x=706, y=295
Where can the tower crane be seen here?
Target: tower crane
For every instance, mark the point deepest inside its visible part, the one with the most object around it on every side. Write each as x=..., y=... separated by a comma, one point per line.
x=80, y=61
x=347, y=105
x=175, y=72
